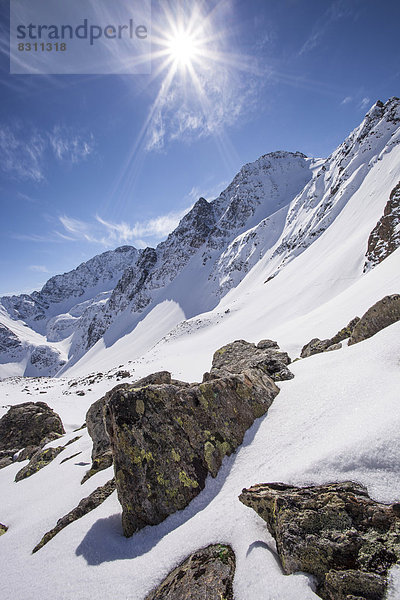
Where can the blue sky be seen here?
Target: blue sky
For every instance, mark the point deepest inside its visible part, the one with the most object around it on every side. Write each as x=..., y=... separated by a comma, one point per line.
x=89, y=163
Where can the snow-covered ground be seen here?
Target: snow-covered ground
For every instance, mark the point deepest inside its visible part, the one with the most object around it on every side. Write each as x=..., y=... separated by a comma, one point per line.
x=337, y=419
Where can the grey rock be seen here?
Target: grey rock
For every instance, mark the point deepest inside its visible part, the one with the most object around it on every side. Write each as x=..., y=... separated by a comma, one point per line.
x=385, y=237
x=334, y=531
x=39, y=460
x=5, y=461
x=316, y=346
x=382, y=314
x=206, y=574
x=96, y=425
x=85, y=506
x=334, y=347
x=354, y=585
x=266, y=344
x=167, y=438
x=28, y=424
x=239, y=356
x=28, y=452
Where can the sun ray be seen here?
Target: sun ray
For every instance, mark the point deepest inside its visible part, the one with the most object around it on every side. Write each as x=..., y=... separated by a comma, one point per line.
x=190, y=59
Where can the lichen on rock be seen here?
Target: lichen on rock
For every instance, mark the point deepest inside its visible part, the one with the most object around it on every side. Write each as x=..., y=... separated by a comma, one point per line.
x=206, y=574
x=335, y=532
x=383, y=313
x=96, y=425
x=39, y=460
x=166, y=438
x=28, y=424
x=316, y=346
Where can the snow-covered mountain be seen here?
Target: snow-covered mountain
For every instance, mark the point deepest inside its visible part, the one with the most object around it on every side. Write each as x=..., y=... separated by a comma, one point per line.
x=273, y=211
x=79, y=307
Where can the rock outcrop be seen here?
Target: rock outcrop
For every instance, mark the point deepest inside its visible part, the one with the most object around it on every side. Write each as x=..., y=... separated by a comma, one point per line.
x=28, y=424
x=166, y=438
x=316, y=346
x=85, y=506
x=39, y=460
x=3, y=529
x=240, y=356
x=207, y=574
x=335, y=532
x=385, y=237
x=382, y=314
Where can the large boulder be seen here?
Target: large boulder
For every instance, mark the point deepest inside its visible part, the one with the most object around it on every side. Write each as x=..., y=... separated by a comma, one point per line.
x=335, y=532
x=166, y=438
x=28, y=424
x=382, y=314
x=207, y=574
x=240, y=356
x=96, y=425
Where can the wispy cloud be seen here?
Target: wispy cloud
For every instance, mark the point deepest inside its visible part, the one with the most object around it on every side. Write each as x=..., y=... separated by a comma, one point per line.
x=337, y=10
x=69, y=146
x=365, y=102
x=22, y=158
x=25, y=153
x=111, y=234
x=226, y=98
x=346, y=100
x=38, y=268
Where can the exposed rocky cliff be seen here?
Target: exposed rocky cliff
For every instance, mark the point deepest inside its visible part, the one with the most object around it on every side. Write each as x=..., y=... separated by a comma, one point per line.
x=385, y=237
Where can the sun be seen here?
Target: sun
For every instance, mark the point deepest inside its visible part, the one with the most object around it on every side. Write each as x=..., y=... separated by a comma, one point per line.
x=182, y=49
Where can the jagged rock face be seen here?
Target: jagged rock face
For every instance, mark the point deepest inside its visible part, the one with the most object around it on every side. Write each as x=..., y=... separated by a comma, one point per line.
x=69, y=286
x=28, y=424
x=382, y=314
x=316, y=346
x=385, y=237
x=335, y=532
x=240, y=356
x=10, y=344
x=44, y=359
x=85, y=506
x=39, y=460
x=206, y=574
x=167, y=438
